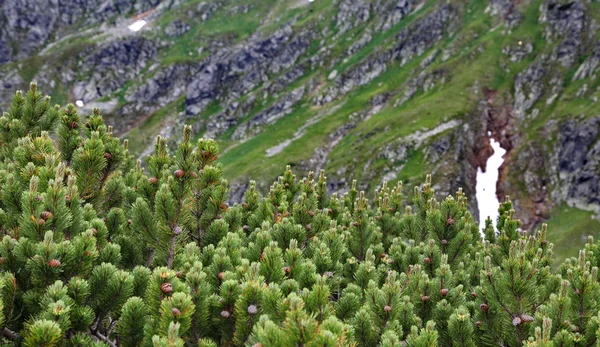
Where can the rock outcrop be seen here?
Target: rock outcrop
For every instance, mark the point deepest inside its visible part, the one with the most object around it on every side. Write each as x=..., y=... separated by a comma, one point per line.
x=411, y=42
x=565, y=21
x=27, y=25
x=579, y=163
x=241, y=70
x=111, y=66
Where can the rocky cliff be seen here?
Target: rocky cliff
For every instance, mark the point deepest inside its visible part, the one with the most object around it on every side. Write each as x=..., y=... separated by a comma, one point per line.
x=370, y=90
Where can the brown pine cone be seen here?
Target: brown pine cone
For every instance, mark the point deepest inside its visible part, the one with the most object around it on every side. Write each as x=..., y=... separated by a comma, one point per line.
x=54, y=263
x=166, y=288
x=45, y=215
x=526, y=318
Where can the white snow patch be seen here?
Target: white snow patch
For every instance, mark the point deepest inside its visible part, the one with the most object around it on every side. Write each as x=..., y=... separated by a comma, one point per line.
x=485, y=190
x=137, y=25
x=79, y=103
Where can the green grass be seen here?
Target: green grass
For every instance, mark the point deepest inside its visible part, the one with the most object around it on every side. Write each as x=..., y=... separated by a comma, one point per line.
x=31, y=66
x=144, y=135
x=59, y=94
x=568, y=229
x=413, y=168
x=234, y=28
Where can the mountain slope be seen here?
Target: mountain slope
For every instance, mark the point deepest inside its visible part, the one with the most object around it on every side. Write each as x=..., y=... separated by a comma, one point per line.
x=370, y=89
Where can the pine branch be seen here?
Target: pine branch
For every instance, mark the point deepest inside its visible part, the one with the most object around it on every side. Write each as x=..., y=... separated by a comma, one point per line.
x=103, y=338
x=9, y=334
x=172, y=251
x=111, y=326
x=150, y=257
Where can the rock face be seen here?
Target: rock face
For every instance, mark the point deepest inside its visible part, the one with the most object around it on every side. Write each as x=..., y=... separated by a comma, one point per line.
x=10, y=82
x=589, y=66
x=268, y=116
x=109, y=67
x=177, y=28
x=27, y=25
x=351, y=13
x=528, y=88
x=411, y=42
x=563, y=172
x=565, y=20
x=241, y=70
x=164, y=87
x=579, y=163
x=392, y=15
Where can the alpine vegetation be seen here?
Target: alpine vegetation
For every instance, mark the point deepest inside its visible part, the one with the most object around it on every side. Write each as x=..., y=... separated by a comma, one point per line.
x=101, y=249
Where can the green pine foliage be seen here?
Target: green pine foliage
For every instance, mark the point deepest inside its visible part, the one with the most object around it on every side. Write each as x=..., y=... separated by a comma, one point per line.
x=101, y=249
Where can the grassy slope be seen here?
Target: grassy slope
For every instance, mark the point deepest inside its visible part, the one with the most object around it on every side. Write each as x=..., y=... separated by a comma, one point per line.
x=424, y=111
x=141, y=137
x=568, y=229
x=249, y=157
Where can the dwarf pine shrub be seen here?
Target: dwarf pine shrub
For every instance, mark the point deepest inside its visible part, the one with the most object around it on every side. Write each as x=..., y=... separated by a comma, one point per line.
x=100, y=250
